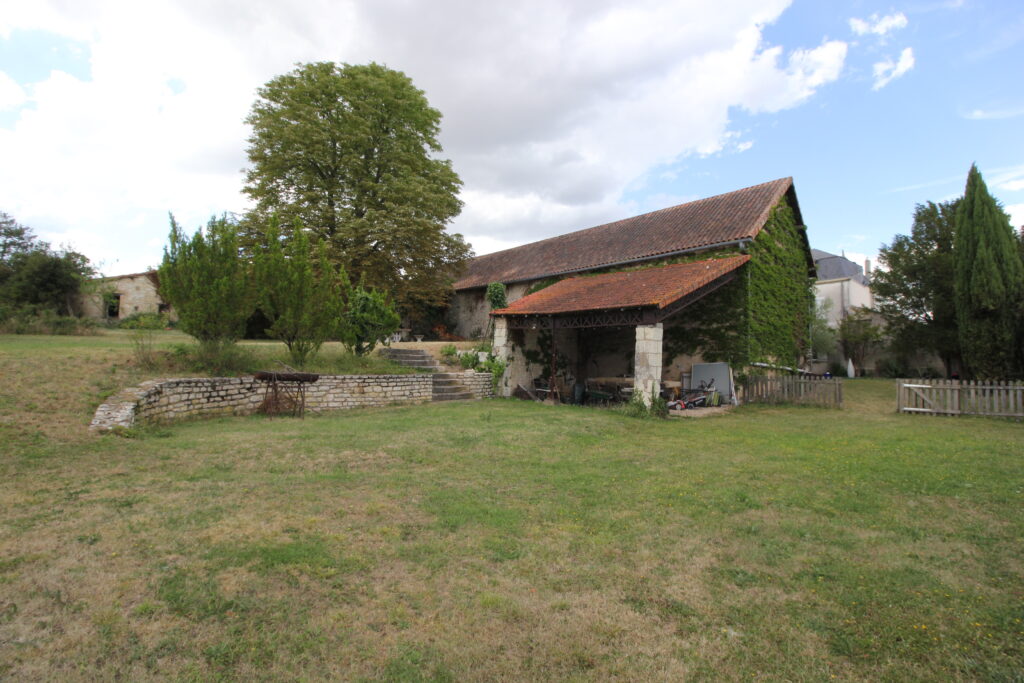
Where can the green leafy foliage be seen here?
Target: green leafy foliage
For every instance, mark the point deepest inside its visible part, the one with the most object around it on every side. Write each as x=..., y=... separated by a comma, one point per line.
x=989, y=285
x=450, y=354
x=34, y=278
x=636, y=407
x=858, y=335
x=145, y=321
x=780, y=291
x=369, y=319
x=207, y=283
x=303, y=299
x=914, y=289
x=497, y=295
x=761, y=316
x=496, y=366
x=349, y=152
x=823, y=337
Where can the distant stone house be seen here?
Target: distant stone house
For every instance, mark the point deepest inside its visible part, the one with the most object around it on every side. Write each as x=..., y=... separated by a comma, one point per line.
x=727, y=278
x=846, y=286
x=119, y=296
x=842, y=283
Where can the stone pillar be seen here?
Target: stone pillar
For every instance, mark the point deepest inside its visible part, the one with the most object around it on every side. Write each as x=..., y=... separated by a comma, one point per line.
x=501, y=347
x=647, y=361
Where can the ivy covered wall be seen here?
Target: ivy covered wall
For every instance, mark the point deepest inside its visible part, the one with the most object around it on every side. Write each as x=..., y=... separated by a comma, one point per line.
x=762, y=315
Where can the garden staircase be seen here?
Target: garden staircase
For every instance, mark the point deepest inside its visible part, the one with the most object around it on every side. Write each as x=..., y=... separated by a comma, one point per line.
x=413, y=358
x=447, y=386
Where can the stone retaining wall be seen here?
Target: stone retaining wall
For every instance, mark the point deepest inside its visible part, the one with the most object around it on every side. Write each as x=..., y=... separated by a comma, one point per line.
x=480, y=383
x=166, y=400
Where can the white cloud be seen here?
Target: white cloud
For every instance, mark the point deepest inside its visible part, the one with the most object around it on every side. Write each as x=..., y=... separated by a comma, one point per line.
x=11, y=94
x=992, y=114
x=551, y=109
x=1016, y=212
x=877, y=25
x=887, y=70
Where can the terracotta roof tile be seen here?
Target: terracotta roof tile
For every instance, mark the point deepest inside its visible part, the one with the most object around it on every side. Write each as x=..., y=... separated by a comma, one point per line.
x=651, y=287
x=705, y=222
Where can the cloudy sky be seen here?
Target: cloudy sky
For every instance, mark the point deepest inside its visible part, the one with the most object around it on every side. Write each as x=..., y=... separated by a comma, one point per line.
x=558, y=115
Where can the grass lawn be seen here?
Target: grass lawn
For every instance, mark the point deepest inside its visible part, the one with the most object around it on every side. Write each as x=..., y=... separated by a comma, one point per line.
x=501, y=540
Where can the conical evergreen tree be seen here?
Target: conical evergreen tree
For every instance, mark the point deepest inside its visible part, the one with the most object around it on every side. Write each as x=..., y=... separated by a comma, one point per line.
x=989, y=285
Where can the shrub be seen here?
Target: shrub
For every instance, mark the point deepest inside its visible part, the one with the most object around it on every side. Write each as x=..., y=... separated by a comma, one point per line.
x=370, y=318
x=449, y=354
x=142, y=348
x=469, y=360
x=496, y=366
x=145, y=321
x=30, y=320
x=636, y=407
x=207, y=282
x=225, y=359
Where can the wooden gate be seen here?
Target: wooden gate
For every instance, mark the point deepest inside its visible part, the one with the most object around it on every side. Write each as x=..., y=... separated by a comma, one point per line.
x=953, y=397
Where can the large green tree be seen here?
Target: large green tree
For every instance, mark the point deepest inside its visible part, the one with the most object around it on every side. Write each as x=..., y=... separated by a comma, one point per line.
x=35, y=276
x=302, y=296
x=207, y=282
x=348, y=151
x=989, y=284
x=914, y=287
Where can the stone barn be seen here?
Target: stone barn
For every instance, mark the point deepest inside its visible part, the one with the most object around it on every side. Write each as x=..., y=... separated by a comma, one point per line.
x=640, y=301
x=119, y=296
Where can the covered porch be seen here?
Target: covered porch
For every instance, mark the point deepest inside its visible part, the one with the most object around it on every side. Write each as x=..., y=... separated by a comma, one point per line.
x=581, y=329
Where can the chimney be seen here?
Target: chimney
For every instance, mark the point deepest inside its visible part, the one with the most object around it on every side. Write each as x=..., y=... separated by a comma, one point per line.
x=867, y=267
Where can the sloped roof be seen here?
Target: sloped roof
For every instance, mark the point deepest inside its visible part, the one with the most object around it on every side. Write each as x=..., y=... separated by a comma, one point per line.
x=656, y=287
x=832, y=267
x=703, y=223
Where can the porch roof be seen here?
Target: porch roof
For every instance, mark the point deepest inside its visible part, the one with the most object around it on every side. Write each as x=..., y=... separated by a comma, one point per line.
x=655, y=288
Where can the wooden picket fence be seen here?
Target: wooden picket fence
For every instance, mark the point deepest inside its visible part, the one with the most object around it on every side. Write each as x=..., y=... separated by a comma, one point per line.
x=794, y=389
x=953, y=397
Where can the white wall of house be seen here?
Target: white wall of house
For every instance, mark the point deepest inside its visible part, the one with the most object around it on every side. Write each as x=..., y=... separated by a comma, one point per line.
x=844, y=294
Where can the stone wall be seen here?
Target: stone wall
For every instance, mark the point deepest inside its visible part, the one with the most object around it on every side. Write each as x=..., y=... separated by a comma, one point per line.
x=174, y=399
x=468, y=309
x=480, y=383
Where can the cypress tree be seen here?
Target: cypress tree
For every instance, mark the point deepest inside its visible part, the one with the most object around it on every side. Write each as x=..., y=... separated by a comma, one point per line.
x=989, y=284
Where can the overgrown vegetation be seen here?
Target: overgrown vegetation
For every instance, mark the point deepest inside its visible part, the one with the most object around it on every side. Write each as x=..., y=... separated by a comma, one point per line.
x=762, y=316
x=39, y=285
x=558, y=543
x=636, y=407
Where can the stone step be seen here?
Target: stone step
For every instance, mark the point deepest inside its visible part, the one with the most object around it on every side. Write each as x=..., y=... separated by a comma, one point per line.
x=412, y=358
x=463, y=396
x=449, y=388
x=404, y=352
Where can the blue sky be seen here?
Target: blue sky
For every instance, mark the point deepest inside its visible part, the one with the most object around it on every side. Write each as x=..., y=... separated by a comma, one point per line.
x=558, y=116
